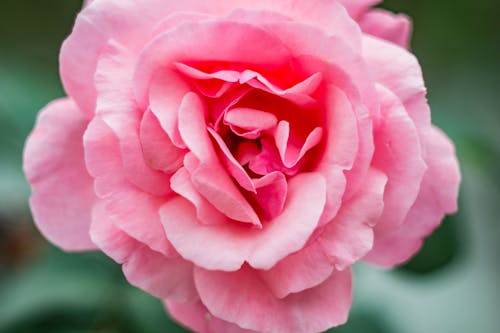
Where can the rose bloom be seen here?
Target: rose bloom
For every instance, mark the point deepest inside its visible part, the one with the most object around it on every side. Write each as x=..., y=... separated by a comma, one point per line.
x=238, y=157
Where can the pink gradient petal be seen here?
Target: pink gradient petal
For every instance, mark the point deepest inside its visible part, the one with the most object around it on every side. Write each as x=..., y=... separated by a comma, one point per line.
x=212, y=85
x=271, y=193
x=399, y=156
x=227, y=247
x=116, y=105
x=328, y=16
x=196, y=317
x=341, y=147
x=437, y=197
x=144, y=268
x=137, y=171
x=201, y=42
x=167, y=278
x=298, y=93
x=97, y=23
x=357, y=8
x=232, y=165
x=299, y=271
x=137, y=214
x=342, y=66
x=133, y=211
x=395, y=28
x=248, y=302
x=62, y=189
x=223, y=75
x=209, y=178
x=159, y=151
x=289, y=153
x=205, y=212
x=399, y=71
x=247, y=151
x=249, y=123
x=111, y=240
x=103, y=157
x=349, y=236
x=268, y=159
x=166, y=93
x=78, y=61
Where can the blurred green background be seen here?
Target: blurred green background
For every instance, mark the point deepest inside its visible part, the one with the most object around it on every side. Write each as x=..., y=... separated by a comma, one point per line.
x=452, y=285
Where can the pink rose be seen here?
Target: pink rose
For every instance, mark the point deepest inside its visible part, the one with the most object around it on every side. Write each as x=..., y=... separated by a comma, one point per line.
x=238, y=157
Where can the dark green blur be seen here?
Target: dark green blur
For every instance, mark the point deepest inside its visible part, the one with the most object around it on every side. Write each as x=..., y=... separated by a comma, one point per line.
x=452, y=285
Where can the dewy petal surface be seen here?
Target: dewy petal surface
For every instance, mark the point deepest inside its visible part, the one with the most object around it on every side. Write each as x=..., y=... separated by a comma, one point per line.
x=62, y=189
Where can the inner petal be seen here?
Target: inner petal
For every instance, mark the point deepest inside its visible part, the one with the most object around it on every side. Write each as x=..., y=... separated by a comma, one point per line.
x=233, y=166
x=291, y=152
x=248, y=122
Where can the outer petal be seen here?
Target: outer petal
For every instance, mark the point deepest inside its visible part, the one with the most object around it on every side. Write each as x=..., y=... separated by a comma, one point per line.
x=399, y=71
x=133, y=211
x=399, y=156
x=357, y=7
x=228, y=246
x=116, y=105
x=350, y=235
x=140, y=19
x=63, y=193
x=242, y=298
x=196, y=317
x=299, y=271
x=437, y=197
x=394, y=28
x=144, y=268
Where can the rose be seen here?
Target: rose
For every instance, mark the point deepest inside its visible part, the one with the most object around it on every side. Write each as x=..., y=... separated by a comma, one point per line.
x=238, y=157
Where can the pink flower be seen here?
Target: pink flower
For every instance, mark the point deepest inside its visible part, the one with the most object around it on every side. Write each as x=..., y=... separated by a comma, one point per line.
x=238, y=157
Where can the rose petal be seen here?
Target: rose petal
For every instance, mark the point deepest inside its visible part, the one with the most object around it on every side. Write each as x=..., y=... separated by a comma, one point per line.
x=158, y=150
x=399, y=71
x=144, y=268
x=196, y=317
x=271, y=193
x=201, y=42
x=232, y=165
x=341, y=147
x=116, y=105
x=290, y=153
x=247, y=301
x=165, y=97
x=167, y=278
x=358, y=7
x=228, y=246
x=438, y=196
x=299, y=271
x=399, y=156
x=133, y=211
x=209, y=178
x=350, y=235
x=111, y=240
x=62, y=189
x=249, y=123
x=383, y=24
x=205, y=212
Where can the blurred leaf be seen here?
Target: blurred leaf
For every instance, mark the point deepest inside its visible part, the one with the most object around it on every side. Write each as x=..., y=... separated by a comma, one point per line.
x=363, y=322
x=438, y=251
